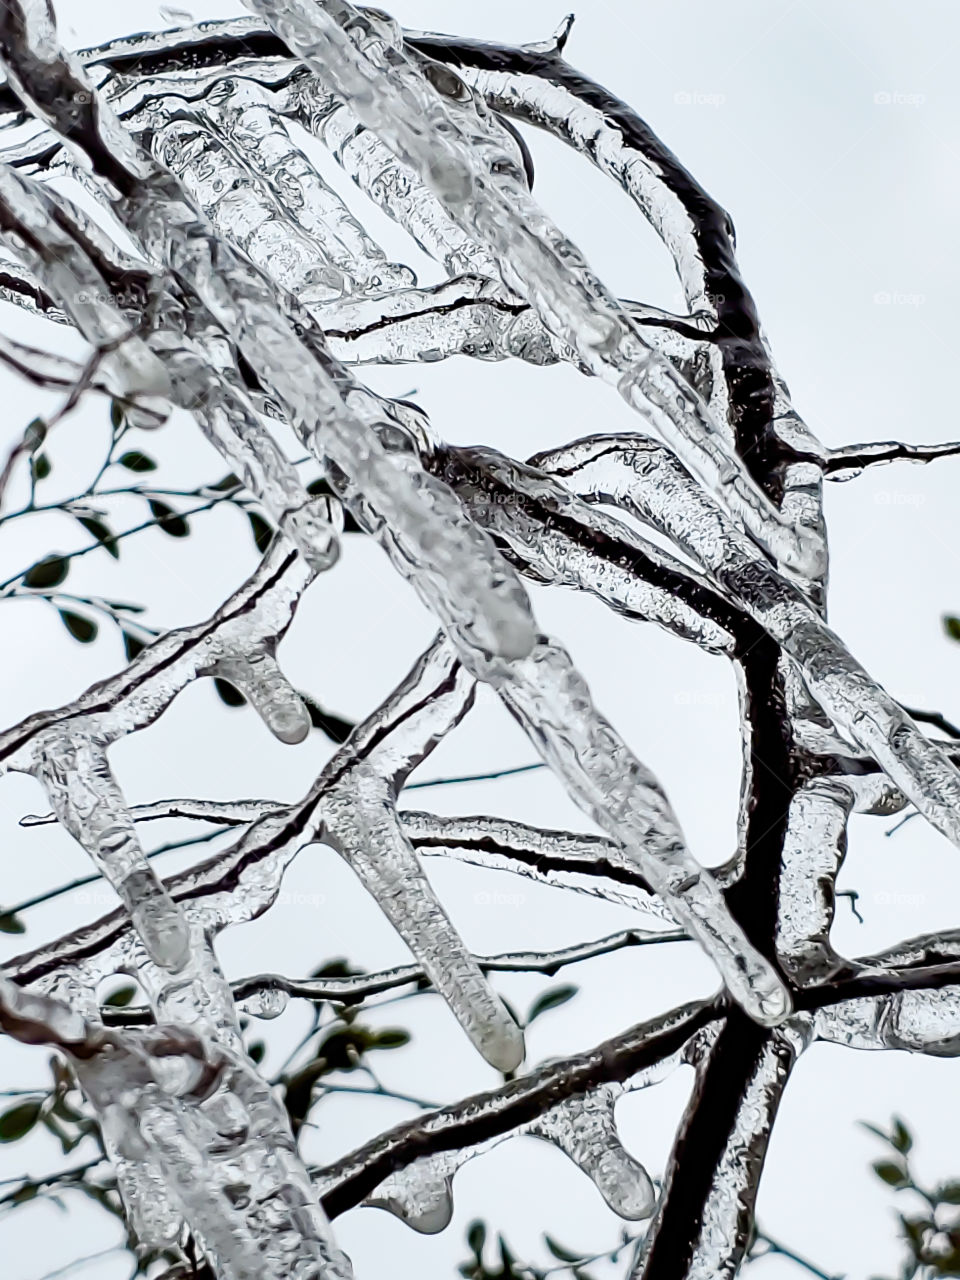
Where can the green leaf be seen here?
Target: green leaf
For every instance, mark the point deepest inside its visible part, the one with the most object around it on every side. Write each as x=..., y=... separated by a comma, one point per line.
x=949, y=1193
x=262, y=531
x=134, y=460
x=81, y=628
x=335, y=727
x=391, y=1038
x=48, y=572
x=9, y=923
x=168, y=520
x=558, y=1251
x=116, y=414
x=120, y=998
x=19, y=1120
x=476, y=1236
x=228, y=694
x=132, y=645
x=901, y=1140
x=951, y=626
x=41, y=467
x=257, y=1051
x=338, y=968
x=551, y=999
x=223, y=486
x=321, y=489
x=892, y=1174
x=103, y=534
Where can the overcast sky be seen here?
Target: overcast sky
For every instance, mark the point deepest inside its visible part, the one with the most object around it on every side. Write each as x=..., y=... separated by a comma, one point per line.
x=831, y=133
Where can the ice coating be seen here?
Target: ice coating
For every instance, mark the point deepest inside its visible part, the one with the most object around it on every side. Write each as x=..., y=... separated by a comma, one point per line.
x=466, y=164
x=243, y=354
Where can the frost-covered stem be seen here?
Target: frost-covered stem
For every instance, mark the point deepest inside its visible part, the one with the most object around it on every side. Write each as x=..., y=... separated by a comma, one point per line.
x=462, y=157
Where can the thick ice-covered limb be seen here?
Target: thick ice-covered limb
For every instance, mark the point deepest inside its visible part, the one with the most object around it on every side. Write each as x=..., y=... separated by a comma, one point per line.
x=202, y=1117
x=444, y=138
x=647, y=480
x=705, y=1216
x=920, y=1021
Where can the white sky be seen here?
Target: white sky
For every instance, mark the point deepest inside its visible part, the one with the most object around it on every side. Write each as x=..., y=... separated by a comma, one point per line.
x=832, y=134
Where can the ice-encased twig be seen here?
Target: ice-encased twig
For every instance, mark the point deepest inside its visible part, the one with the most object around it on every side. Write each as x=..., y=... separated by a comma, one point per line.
x=465, y=162
x=646, y=479
x=213, y=1129
x=265, y=995
x=262, y=608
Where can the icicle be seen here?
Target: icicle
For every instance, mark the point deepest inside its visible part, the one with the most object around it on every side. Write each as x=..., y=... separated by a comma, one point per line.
x=551, y=701
x=88, y=802
x=421, y=1195
x=584, y=1128
x=813, y=850
x=246, y=117
x=258, y=677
